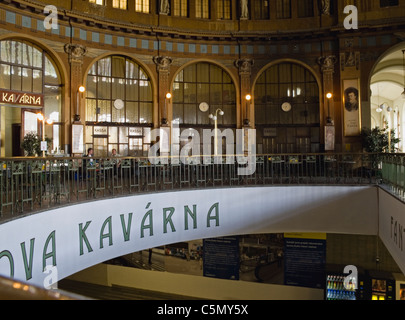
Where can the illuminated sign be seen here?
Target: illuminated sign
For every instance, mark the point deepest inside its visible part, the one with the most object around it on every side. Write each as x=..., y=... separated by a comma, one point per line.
x=22, y=98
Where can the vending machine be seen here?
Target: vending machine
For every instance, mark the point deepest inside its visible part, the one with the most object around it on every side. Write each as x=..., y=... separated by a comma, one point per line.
x=341, y=286
x=382, y=285
x=399, y=286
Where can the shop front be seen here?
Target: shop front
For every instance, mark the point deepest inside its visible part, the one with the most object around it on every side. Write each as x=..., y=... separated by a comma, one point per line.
x=30, y=83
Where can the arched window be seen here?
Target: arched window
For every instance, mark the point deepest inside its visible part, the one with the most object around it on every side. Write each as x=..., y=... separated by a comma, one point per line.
x=287, y=114
x=203, y=82
x=26, y=68
x=119, y=99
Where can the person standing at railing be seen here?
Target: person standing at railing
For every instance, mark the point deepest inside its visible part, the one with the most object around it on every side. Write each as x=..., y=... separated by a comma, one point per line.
x=116, y=162
x=88, y=163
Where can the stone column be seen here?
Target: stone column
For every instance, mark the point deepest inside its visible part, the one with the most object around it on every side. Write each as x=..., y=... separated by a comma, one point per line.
x=163, y=68
x=245, y=71
x=76, y=53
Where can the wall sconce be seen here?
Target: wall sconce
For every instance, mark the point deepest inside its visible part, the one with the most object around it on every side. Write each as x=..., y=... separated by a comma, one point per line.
x=329, y=96
x=81, y=89
x=246, y=122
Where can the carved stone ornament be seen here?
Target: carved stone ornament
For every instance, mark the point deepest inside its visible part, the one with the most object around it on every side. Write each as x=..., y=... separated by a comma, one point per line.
x=326, y=7
x=164, y=7
x=76, y=52
x=244, y=66
x=327, y=63
x=162, y=63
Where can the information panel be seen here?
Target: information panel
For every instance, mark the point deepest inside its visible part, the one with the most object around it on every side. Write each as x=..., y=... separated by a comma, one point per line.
x=221, y=258
x=305, y=258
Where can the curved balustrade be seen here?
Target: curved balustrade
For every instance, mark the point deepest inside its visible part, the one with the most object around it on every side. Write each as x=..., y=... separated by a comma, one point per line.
x=16, y=290
x=393, y=173
x=32, y=184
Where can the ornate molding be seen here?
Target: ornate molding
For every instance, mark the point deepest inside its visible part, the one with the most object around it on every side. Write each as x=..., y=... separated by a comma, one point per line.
x=163, y=63
x=327, y=63
x=244, y=66
x=164, y=7
x=76, y=52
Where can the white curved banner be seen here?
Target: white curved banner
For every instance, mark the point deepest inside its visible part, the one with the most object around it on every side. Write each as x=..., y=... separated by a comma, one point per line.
x=48, y=246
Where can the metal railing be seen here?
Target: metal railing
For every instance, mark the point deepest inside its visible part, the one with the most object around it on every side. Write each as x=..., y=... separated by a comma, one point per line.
x=393, y=173
x=33, y=184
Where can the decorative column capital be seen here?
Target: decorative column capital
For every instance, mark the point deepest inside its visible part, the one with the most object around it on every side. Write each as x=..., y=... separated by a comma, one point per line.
x=327, y=63
x=163, y=63
x=76, y=52
x=244, y=66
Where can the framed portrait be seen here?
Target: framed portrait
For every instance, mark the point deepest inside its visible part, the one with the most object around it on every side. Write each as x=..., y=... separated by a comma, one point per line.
x=351, y=107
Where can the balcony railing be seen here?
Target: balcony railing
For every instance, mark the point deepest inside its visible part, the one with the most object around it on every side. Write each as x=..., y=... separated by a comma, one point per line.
x=393, y=173
x=32, y=184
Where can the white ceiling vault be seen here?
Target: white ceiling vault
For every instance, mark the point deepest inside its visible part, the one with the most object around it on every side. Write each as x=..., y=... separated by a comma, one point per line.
x=387, y=80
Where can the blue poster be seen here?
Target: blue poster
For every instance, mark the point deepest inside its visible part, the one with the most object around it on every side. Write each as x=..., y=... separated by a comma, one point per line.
x=304, y=260
x=221, y=258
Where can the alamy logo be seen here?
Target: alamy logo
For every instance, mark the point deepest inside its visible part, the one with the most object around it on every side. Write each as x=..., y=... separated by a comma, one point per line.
x=51, y=280
x=350, y=281
x=51, y=20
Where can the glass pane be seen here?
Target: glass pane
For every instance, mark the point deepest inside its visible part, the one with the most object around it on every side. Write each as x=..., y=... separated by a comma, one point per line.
x=36, y=58
x=104, y=67
x=30, y=122
x=190, y=112
x=229, y=94
x=123, y=135
x=189, y=74
x=216, y=93
x=118, y=88
x=113, y=138
x=100, y=147
x=37, y=82
x=118, y=67
x=132, y=112
x=52, y=102
x=56, y=136
x=89, y=134
x=5, y=51
x=27, y=55
x=215, y=74
x=145, y=91
x=91, y=86
x=178, y=92
x=26, y=80
x=104, y=88
x=104, y=107
x=131, y=89
x=132, y=70
x=145, y=113
x=203, y=93
x=178, y=113
x=51, y=75
x=5, y=76
x=15, y=78
x=123, y=150
x=118, y=115
x=203, y=72
x=190, y=93
x=91, y=110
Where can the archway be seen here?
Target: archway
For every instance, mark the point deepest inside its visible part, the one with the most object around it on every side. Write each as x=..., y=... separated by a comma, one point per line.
x=30, y=83
x=287, y=110
x=119, y=106
x=387, y=83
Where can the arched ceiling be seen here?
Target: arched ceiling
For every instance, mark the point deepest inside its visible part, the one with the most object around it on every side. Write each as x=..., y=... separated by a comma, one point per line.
x=387, y=81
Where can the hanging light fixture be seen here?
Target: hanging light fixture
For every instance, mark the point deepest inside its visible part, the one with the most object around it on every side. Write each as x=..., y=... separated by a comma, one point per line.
x=403, y=64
